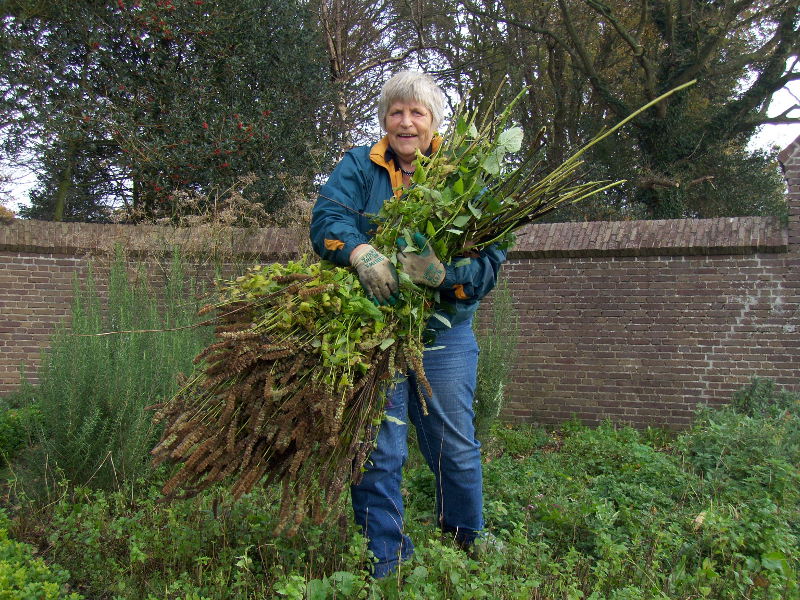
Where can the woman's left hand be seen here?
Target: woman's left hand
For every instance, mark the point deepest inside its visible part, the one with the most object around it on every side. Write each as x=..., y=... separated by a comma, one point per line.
x=423, y=266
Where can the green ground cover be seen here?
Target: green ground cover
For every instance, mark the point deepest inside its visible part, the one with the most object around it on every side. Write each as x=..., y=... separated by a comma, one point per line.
x=608, y=512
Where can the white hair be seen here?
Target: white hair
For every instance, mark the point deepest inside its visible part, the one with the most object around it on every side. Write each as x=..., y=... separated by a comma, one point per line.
x=415, y=86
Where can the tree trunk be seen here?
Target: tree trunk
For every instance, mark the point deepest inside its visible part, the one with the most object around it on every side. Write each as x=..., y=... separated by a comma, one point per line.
x=65, y=182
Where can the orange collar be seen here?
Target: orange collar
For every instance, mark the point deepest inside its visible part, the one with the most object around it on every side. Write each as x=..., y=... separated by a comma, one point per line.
x=377, y=154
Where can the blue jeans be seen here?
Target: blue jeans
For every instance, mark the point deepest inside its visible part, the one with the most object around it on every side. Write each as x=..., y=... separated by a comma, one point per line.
x=447, y=441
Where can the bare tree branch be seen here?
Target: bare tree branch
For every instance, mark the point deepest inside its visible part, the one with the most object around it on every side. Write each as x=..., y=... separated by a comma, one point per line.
x=621, y=109
x=387, y=61
x=771, y=77
x=634, y=44
x=525, y=26
x=783, y=118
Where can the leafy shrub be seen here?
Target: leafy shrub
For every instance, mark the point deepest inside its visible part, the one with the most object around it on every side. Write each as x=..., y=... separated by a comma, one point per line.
x=752, y=446
x=16, y=425
x=763, y=398
x=588, y=513
x=747, y=455
x=94, y=387
x=136, y=547
x=24, y=576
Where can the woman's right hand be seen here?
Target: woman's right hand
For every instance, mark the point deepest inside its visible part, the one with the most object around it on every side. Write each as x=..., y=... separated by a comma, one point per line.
x=376, y=273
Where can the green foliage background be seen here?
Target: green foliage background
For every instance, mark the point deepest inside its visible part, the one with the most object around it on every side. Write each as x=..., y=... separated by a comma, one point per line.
x=589, y=64
x=124, y=103
x=24, y=575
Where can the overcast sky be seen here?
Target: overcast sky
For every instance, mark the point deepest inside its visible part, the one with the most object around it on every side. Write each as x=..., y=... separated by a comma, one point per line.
x=780, y=135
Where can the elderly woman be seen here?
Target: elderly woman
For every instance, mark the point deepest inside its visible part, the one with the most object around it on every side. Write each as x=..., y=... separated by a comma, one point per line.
x=410, y=110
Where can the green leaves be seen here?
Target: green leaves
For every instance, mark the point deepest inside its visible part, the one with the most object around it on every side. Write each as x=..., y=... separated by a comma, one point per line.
x=447, y=188
x=465, y=127
x=452, y=190
x=192, y=82
x=442, y=319
x=776, y=562
x=510, y=139
x=461, y=220
x=477, y=212
x=492, y=162
x=391, y=419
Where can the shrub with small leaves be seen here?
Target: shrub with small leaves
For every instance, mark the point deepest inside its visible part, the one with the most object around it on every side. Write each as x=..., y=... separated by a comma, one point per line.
x=16, y=425
x=22, y=575
x=763, y=398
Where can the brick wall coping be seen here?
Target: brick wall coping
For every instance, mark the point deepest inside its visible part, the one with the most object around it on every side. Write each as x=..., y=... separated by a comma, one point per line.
x=30, y=236
x=732, y=235
x=736, y=235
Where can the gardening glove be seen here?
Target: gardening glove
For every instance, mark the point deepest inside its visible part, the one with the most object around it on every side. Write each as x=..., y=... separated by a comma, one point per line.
x=423, y=266
x=376, y=273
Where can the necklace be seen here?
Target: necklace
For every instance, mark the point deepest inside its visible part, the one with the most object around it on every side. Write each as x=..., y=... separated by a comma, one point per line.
x=404, y=172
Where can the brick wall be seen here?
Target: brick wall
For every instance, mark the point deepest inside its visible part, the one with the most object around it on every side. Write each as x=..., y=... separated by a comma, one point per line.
x=633, y=321
x=643, y=338
x=638, y=322
x=40, y=261
x=790, y=161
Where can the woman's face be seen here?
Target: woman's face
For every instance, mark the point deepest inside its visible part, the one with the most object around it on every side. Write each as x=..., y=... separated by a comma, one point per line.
x=410, y=127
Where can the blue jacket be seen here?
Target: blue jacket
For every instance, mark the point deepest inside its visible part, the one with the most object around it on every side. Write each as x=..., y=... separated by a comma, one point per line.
x=340, y=221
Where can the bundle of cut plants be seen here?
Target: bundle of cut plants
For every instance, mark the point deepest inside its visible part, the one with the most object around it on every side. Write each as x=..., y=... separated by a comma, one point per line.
x=292, y=391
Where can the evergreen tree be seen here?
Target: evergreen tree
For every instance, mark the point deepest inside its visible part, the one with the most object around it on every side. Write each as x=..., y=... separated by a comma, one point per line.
x=171, y=94
x=75, y=184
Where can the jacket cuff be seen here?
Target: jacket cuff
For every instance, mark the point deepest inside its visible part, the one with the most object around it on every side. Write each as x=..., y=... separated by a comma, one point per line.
x=449, y=278
x=350, y=245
